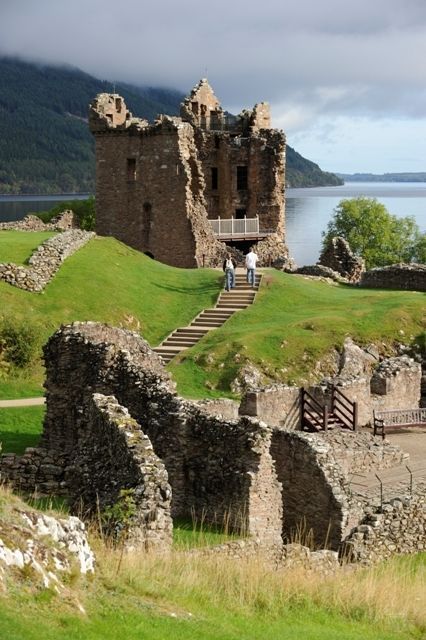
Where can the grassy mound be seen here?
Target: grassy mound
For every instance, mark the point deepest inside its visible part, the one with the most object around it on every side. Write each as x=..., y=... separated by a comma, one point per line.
x=294, y=324
x=105, y=281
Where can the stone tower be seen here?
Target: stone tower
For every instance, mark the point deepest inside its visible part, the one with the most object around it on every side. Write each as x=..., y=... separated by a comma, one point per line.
x=159, y=185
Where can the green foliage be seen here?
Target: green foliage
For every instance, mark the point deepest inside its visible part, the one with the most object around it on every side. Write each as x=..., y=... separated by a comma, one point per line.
x=373, y=233
x=18, y=342
x=117, y=518
x=83, y=209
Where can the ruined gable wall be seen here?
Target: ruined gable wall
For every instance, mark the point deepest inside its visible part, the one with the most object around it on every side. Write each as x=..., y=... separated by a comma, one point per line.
x=112, y=455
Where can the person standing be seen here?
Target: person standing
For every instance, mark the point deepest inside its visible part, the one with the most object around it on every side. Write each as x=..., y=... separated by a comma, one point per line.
x=229, y=266
x=251, y=261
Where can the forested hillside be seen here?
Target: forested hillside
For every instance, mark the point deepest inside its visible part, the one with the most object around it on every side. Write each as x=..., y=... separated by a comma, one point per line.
x=301, y=172
x=45, y=143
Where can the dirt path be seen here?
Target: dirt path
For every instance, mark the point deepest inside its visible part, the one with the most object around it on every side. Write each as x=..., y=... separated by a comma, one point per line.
x=22, y=402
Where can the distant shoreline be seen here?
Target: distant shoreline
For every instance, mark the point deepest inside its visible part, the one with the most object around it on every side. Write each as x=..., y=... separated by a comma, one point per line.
x=45, y=195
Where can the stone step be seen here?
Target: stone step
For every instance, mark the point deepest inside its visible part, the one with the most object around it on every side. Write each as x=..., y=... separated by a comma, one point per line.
x=233, y=305
x=179, y=340
x=206, y=323
x=189, y=331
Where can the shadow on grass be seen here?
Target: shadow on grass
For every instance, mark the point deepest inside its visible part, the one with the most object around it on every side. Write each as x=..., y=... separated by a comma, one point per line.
x=17, y=442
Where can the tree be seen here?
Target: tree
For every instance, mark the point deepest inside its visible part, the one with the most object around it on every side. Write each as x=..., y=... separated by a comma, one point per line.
x=374, y=234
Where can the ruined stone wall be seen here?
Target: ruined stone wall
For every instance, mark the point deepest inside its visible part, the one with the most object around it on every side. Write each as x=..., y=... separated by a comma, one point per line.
x=216, y=468
x=277, y=405
x=112, y=455
x=396, y=384
x=410, y=277
x=315, y=495
x=62, y=222
x=397, y=527
x=337, y=255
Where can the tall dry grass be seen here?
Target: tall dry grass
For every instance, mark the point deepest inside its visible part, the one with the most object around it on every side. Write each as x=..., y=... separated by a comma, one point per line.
x=392, y=591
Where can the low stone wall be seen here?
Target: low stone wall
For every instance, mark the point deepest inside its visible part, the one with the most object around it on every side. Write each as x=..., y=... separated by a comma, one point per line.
x=318, y=271
x=277, y=405
x=362, y=452
x=394, y=384
x=221, y=408
x=397, y=527
x=45, y=261
x=410, y=277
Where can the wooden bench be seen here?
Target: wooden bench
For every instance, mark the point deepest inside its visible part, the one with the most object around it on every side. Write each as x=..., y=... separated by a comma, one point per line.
x=393, y=420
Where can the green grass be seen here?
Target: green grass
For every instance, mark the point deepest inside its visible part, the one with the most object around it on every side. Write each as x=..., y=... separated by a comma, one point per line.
x=17, y=246
x=188, y=597
x=107, y=281
x=295, y=323
x=20, y=428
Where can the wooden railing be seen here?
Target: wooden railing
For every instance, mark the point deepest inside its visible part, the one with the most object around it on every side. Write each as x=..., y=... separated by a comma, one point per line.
x=384, y=420
x=313, y=414
x=344, y=408
x=242, y=227
x=343, y=412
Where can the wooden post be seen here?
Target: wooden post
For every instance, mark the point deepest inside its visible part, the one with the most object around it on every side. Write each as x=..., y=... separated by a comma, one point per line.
x=325, y=417
x=302, y=406
x=218, y=219
x=355, y=416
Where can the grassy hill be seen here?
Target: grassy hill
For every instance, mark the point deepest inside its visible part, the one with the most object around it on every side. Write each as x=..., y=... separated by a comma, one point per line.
x=105, y=281
x=45, y=143
x=288, y=334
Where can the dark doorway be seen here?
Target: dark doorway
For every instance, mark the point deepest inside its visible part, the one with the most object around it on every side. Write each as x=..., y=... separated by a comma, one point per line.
x=240, y=213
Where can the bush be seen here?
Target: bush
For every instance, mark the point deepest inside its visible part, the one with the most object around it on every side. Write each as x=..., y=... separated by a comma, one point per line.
x=18, y=343
x=83, y=209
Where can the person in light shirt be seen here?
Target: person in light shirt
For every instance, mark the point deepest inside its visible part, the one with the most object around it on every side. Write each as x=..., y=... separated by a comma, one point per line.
x=251, y=260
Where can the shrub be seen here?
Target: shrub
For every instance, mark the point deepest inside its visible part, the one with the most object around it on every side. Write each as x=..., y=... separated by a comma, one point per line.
x=18, y=343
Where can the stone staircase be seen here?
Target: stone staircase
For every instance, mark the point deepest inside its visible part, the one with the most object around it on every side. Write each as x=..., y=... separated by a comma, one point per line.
x=228, y=303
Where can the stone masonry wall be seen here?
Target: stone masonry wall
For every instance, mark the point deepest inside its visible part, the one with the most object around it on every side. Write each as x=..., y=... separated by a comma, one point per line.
x=394, y=384
x=62, y=222
x=215, y=467
x=114, y=455
x=277, y=405
x=397, y=527
x=411, y=277
x=45, y=261
x=337, y=255
x=315, y=495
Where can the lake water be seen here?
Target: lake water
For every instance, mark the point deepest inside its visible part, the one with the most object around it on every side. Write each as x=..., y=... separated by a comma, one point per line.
x=307, y=210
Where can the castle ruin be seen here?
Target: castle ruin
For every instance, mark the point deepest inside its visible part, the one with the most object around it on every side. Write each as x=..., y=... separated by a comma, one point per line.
x=181, y=187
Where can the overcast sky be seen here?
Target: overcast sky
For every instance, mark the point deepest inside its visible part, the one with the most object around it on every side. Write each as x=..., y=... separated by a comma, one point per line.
x=346, y=80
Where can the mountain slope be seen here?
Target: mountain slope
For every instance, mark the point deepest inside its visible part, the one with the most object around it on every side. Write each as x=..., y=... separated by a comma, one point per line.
x=301, y=172
x=45, y=143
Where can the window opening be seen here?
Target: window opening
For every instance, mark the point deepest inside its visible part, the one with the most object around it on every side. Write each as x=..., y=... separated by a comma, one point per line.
x=242, y=178
x=214, y=178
